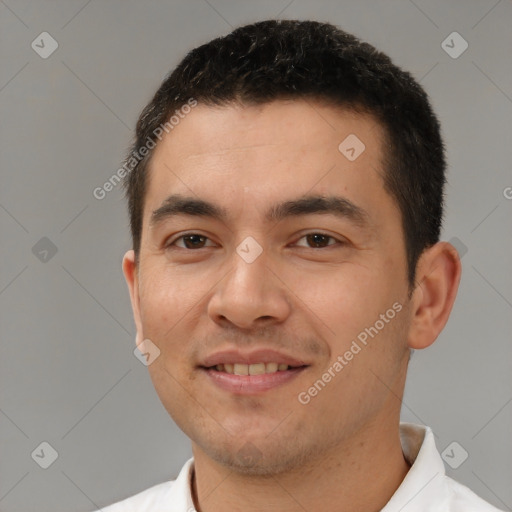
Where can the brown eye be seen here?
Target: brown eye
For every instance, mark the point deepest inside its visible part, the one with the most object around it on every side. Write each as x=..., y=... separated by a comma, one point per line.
x=317, y=241
x=194, y=241
x=191, y=241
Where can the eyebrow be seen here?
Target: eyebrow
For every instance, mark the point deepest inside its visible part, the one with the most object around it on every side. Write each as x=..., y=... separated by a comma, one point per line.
x=333, y=205
x=181, y=205
x=342, y=207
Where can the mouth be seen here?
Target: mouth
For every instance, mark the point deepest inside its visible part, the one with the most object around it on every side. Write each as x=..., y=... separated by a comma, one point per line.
x=252, y=369
x=251, y=379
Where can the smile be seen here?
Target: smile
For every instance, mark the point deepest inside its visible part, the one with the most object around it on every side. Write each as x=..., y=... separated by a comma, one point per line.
x=251, y=369
x=251, y=379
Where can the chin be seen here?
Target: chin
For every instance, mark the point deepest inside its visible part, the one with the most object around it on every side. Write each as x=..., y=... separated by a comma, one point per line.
x=265, y=461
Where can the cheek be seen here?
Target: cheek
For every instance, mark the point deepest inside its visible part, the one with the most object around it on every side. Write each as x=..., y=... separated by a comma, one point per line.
x=341, y=298
x=175, y=287
x=346, y=304
x=167, y=303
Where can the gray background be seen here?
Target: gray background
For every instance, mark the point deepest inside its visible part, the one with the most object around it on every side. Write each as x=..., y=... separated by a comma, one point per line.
x=68, y=375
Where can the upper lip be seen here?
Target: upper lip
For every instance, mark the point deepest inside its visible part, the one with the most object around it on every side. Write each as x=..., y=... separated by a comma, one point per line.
x=253, y=357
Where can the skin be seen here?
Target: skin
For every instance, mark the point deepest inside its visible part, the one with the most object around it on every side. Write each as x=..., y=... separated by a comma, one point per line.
x=341, y=451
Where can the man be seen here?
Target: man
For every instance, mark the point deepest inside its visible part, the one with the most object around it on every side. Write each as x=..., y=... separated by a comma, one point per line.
x=286, y=196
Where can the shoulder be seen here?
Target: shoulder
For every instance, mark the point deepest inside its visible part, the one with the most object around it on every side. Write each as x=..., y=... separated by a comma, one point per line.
x=149, y=499
x=463, y=499
x=173, y=493
x=427, y=486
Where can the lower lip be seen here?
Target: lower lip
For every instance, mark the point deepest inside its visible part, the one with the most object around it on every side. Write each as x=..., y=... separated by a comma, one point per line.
x=251, y=384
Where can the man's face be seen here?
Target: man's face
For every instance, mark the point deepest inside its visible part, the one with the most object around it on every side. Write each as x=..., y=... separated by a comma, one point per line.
x=272, y=282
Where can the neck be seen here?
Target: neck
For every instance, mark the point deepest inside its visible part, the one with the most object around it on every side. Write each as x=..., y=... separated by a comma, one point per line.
x=360, y=475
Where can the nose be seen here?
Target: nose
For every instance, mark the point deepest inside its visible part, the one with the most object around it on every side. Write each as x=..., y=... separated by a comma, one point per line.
x=250, y=295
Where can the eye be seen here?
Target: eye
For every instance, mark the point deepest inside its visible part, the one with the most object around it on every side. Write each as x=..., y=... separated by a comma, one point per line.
x=191, y=241
x=317, y=240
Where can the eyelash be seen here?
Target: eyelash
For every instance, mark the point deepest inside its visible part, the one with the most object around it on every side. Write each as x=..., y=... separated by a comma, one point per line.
x=172, y=243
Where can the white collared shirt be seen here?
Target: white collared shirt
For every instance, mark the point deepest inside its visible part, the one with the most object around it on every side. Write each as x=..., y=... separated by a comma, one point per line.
x=425, y=488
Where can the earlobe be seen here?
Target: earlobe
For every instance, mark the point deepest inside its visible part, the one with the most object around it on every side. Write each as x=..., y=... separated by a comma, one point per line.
x=438, y=276
x=130, y=274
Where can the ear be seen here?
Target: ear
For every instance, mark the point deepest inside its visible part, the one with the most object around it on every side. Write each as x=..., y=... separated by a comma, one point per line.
x=130, y=272
x=437, y=281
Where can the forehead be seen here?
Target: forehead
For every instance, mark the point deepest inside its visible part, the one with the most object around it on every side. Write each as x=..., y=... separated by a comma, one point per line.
x=268, y=153
x=299, y=123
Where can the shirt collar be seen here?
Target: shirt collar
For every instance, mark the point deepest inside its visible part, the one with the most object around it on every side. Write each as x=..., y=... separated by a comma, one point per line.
x=423, y=488
x=180, y=494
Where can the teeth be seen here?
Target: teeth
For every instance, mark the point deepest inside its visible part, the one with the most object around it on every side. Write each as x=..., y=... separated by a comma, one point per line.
x=241, y=369
x=251, y=369
x=257, y=369
x=271, y=367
